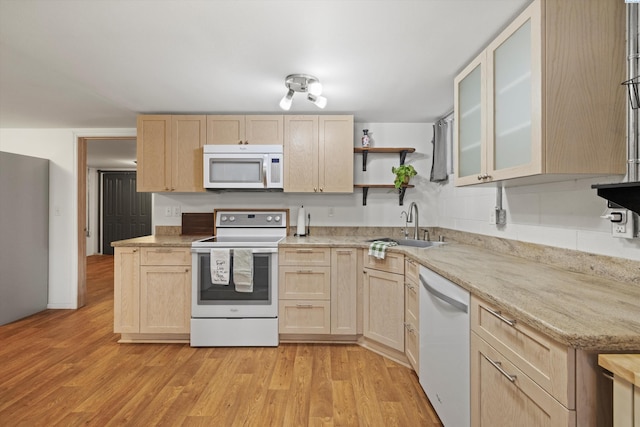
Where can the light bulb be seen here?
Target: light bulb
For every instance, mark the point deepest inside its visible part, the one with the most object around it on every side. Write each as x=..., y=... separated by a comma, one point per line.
x=319, y=101
x=315, y=88
x=285, y=102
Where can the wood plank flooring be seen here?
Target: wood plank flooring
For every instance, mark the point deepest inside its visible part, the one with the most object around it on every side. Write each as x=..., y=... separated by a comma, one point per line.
x=65, y=368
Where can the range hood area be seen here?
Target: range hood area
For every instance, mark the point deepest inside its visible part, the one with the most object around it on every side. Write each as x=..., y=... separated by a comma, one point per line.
x=627, y=194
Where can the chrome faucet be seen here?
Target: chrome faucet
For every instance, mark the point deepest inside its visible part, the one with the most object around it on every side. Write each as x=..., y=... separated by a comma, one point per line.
x=406, y=220
x=410, y=219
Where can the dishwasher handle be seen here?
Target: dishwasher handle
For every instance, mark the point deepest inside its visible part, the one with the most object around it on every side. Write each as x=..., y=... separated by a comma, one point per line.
x=446, y=298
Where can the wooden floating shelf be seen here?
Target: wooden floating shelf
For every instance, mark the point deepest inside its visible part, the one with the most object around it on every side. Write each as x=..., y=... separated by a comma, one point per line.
x=365, y=191
x=366, y=150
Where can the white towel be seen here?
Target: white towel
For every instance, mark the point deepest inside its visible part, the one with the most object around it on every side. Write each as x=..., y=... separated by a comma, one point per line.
x=220, y=266
x=243, y=270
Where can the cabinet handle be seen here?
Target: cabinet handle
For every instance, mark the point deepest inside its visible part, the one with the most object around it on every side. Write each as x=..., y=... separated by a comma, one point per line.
x=304, y=251
x=410, y=287
x=304, y=271
x=163, y=250
x=186, y=270
x=343, y=251
x=501, y=317
x=304, y=306
x=321, y=189
x=315, y=189
x=135, y=250
x=240, y=142
x=498, y=366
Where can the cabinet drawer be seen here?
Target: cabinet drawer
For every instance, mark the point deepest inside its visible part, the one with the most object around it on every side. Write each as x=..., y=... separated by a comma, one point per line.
x=304, y=282
x=411, y=271
x=165, y=256
x=392, y=262
x=550, y=364
x=304, y=256
x=304, y=317
x=502, y=395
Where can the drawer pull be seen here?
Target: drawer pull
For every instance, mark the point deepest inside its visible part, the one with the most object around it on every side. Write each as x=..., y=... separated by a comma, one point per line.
x=304, y=271
x=501, y=317
x=304, y=251
x=343, y=251
x=304, y=306
x=498, y=366
x=410, y=287
x=163, y=250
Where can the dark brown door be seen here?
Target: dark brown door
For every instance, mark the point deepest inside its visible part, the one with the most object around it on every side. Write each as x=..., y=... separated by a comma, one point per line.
x=125, y=212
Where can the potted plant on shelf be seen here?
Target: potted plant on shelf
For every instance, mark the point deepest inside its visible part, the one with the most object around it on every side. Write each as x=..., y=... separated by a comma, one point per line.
x=403, y=174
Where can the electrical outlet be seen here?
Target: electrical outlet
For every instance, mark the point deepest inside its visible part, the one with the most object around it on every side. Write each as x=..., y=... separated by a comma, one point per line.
x=501, y=216
x=177, y=211
x=623, y=226
x=167, y=211
x=331, y=212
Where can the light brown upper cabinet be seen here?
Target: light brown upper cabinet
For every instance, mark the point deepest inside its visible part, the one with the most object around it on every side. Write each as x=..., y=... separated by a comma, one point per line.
x=169, y=153
x=264, y=129
x=318, y=154
x=544, y=100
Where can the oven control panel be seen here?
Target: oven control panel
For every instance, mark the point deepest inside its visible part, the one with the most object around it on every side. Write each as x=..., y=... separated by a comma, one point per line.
x=271, y=219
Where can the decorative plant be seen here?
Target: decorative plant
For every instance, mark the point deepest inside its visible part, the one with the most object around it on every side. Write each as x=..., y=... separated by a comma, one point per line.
x=403, y=174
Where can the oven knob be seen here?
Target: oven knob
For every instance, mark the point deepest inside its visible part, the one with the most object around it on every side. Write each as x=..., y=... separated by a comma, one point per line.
x=223, y=219
x=232, y=218
x=269, y=218
x=277, y=218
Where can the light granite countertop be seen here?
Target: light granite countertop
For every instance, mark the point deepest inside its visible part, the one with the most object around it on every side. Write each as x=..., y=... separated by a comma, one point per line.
x=583, y=311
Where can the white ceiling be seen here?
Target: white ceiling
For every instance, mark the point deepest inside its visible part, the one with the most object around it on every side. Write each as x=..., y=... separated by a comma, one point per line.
x=99, y=63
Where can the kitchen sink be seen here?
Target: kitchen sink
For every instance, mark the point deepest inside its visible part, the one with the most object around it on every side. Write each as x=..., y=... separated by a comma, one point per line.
x=409, y=242
x=418, y=243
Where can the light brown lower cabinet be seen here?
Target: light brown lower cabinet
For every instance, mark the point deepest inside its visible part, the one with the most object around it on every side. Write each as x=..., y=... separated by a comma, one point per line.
x=317, y=291
x=384, y=308
x=152, y=294
x=503, y=396
x=412, y=313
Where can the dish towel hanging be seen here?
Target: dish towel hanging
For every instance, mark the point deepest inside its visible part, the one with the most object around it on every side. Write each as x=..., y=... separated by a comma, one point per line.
x=378, y=248
x=219, y=266
x=439, y=165
x=243, y=270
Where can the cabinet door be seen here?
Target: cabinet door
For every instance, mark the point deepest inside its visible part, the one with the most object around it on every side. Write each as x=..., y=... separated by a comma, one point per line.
x=153, y=153
x=225, y=129
x=304, y=282
x=412, y=322
x=188, y=137
x=301, y=154
x=304, y=317
x=126, y=290
x=514, y=64
x=344, y=277
x=264, y=130
x=165, y=299
x=335, y=154
x=384, y=308
x=501, y=395
x=470, y=118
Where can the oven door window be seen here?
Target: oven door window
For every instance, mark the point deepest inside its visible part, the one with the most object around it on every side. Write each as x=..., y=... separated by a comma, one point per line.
x=225, y=170
x=213, y=294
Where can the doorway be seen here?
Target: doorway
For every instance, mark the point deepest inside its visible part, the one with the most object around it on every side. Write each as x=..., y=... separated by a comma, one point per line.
x=82, y=203
x=125, y=212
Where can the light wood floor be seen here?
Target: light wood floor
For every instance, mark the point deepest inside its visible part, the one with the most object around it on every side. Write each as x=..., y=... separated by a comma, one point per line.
x=64, y=367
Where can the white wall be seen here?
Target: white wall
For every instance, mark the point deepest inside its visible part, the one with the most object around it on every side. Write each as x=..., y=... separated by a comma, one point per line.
x=60, y=147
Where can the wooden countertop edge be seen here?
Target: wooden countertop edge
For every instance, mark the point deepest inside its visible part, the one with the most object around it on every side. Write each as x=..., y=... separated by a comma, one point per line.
x=626, y=366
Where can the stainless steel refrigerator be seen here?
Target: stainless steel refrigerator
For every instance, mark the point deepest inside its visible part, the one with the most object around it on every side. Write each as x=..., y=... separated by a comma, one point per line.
x=24, y=236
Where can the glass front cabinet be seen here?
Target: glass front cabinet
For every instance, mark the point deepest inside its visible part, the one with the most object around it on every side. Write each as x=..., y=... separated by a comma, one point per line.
x=540, y=99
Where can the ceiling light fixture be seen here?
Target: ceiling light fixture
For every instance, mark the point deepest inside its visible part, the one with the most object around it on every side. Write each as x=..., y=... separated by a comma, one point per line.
x=306, y=84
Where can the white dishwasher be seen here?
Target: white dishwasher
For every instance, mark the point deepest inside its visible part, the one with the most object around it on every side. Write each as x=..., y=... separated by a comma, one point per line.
x=444, y=348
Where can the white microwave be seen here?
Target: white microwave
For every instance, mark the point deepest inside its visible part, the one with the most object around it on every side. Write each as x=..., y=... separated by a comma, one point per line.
x=243, y=167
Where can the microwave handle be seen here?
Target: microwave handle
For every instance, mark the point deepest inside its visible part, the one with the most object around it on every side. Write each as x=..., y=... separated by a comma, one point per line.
x=264, y=171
